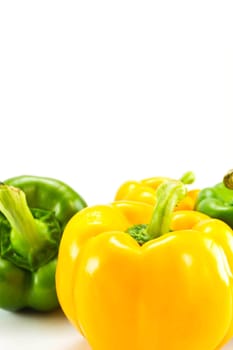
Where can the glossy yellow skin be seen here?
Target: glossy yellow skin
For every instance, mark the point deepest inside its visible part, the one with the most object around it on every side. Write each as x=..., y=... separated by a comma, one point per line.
x=145, y=191
x=173, y=293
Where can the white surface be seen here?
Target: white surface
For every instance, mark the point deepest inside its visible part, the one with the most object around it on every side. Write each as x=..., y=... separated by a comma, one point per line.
x=27, y=331
x=98, y=92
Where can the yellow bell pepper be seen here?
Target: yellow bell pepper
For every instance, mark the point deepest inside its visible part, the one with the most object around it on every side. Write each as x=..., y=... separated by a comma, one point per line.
x=145, y=191
x=162, y=286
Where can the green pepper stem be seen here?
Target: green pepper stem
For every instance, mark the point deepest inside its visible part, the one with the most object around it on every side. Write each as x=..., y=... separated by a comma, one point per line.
x=14, y=207
x=188, y=178
x=29, y=238
x=228, y=179
x=167, y=197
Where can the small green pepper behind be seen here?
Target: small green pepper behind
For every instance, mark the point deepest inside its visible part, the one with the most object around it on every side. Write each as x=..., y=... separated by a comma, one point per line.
x=33, y=214
x=217, y=201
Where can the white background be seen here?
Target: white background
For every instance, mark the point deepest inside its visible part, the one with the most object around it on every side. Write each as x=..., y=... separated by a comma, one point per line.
x=98, y=92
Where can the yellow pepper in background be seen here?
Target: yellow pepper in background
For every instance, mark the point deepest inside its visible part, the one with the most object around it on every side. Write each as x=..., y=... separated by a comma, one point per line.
x=145, y=191
x=132, y=277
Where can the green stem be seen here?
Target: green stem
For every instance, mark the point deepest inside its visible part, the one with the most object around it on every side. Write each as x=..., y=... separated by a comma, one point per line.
x=14, y=206
x=188, y=178
x=27, y=239
x=228, y=179
x=168, y=195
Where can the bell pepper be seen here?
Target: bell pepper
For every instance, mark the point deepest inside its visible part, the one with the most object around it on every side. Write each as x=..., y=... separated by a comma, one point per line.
x=133, y=277
x=217, y=201
x=145, y=191
x=34, y=211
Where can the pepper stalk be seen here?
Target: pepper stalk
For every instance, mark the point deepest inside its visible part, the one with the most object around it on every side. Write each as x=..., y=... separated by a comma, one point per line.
x=228, y=179
x=188, y=178
x=29, y=237
x=168, y=195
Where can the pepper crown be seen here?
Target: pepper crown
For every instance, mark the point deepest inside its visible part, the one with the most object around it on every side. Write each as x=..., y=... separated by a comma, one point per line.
x=168, y=195
x=28, y=237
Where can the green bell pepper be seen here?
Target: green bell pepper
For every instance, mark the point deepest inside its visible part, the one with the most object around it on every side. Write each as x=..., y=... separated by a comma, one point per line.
x=217, y=201
x=33, y=213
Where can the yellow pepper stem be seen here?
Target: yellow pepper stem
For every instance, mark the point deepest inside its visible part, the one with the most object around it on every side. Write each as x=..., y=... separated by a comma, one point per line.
x=167, y=197
x=188, y=178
